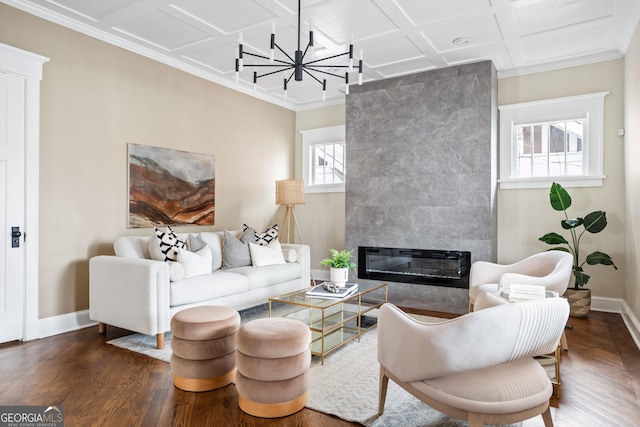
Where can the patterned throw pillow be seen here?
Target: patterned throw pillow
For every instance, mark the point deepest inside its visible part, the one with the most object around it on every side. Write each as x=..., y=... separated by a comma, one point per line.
x=168, y=243
x=194, y=243
x=266, y=237
x=235, y=252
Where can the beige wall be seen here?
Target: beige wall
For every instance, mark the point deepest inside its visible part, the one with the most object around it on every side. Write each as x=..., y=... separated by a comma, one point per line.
x=632, y=171
x=525, y=215
x=322, y=218
x=96, y=98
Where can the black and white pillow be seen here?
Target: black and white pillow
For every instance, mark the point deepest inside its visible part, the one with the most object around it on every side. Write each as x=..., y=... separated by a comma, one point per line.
x=266, y=237
x=167, y=245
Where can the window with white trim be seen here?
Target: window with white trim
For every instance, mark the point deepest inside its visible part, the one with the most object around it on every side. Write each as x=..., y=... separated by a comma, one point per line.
x=552, y=140
x=323, y=159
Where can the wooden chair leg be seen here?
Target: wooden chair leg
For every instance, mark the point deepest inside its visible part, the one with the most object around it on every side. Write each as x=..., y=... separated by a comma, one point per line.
x=563, y=341
x=475, y=420
x=382, y=391
x=160, y=341
x=546, y=416
x=102, y=328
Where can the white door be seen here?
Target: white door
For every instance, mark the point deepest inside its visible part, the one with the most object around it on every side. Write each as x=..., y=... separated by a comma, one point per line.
x=12, y=214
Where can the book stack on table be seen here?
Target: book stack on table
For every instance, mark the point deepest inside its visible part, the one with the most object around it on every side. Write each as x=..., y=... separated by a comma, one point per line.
x=320, y=291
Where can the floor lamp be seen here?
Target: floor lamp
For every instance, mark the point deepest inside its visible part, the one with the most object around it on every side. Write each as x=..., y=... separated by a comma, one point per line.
x=290, y=192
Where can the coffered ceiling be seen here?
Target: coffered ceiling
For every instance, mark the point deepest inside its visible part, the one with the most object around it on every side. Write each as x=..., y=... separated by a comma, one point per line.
x=397, y=37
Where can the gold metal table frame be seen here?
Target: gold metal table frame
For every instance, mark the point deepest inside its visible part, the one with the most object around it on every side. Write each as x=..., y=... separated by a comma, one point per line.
x=334, y=322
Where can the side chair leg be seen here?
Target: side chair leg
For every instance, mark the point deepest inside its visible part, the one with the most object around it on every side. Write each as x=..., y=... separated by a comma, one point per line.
x=475, y=419
x=563, y=341
x=160, y=341
x=382, y=391
x=546, y=417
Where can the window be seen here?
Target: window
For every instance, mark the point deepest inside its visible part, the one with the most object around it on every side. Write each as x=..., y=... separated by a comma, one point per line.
x=323, y=159
x=558, y=139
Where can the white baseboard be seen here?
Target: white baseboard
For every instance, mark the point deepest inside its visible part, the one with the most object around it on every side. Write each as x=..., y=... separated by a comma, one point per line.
x=609, y=305
x=632, y=323
x=68, y=322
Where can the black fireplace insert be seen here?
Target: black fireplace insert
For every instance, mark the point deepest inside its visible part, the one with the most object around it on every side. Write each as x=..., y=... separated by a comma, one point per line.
x=420, y=266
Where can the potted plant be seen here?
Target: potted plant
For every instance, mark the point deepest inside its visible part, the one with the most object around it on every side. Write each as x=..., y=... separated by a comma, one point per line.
x=340, y=263
x=579, y=297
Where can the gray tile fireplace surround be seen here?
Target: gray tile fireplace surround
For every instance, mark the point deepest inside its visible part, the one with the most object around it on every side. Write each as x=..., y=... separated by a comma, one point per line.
x=422, y=170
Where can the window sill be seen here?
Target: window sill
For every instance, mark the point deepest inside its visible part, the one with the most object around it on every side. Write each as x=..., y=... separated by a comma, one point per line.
x=567, y=182
x=324, y=189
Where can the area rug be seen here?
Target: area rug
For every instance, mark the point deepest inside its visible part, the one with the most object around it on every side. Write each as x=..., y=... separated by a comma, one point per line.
x=345, y=386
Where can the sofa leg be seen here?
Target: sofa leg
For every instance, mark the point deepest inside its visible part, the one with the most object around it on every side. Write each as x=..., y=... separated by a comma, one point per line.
x=102, y=328
x=160, y=341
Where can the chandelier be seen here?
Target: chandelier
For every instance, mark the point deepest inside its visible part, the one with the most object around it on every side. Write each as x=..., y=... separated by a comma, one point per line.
x=297, y=64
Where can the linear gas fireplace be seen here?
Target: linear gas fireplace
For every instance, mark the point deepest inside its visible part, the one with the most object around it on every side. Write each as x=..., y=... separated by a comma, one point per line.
x=421, y=266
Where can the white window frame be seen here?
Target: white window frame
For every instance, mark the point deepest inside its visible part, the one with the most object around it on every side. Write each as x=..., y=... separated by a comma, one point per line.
x=311, y=137
x=590, y=106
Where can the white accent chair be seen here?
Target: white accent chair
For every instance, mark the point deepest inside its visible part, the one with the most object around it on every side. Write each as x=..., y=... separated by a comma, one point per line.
x=478, y=367
x=551, y=269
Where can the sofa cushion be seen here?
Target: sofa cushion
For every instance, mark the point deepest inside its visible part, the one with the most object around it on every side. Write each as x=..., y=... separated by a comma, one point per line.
x=195, y=263
x=235, y=252
x=266, y=255
x=260, y=277
x=165, y=246
x=218, y=284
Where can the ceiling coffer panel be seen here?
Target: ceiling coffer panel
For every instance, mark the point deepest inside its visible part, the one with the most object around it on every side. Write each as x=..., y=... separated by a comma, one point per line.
x=539, y=16
x=161, y=29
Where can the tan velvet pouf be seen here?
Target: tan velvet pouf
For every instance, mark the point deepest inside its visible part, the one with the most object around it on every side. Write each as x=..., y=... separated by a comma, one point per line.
x=273, y=360
x=204, y=347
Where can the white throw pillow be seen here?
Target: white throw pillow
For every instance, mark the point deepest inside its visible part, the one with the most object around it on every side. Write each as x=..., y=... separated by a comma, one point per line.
x=195, y=263
x=262, y=256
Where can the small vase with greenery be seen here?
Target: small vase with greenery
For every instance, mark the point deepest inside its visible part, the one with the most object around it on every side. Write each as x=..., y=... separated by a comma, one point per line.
x=340, y=263
x=593, y=223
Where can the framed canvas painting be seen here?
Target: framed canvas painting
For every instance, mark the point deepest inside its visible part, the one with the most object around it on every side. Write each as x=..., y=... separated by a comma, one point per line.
x=170, y=187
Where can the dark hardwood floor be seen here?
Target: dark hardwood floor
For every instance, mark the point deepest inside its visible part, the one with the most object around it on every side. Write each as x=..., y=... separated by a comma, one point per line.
x=103, y=385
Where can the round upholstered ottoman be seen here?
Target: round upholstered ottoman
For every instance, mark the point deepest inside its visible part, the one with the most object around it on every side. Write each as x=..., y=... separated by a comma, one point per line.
x=273, y=361
x=204, y=347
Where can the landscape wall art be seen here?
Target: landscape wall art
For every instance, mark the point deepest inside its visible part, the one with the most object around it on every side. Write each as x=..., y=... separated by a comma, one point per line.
x=170, y=187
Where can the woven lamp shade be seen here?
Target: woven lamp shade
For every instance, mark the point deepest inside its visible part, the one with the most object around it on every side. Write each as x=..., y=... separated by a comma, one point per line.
x=290, y=192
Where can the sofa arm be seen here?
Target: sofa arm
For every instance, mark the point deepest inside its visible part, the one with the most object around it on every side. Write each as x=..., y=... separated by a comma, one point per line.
x=303, y=258
x=129, y=293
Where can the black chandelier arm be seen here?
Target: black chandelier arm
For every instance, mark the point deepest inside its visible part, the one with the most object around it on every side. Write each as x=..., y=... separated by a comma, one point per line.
x=283, y=52
x=328, y=57
x=307, y=69
x=275, y=72
x=314, y=77
x=255, y=55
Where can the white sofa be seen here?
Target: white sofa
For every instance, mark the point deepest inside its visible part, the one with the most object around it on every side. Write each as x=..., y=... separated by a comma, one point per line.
x=132, y=291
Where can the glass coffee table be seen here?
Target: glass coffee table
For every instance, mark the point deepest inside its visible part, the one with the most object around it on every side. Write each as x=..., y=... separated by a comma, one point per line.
x=333, y=322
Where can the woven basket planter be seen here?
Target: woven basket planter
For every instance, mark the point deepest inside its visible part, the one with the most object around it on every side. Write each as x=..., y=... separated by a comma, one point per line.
x=579, y=302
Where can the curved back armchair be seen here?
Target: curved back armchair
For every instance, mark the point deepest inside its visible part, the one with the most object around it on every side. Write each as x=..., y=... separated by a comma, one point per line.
x=551, y=269
x=478, y=367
